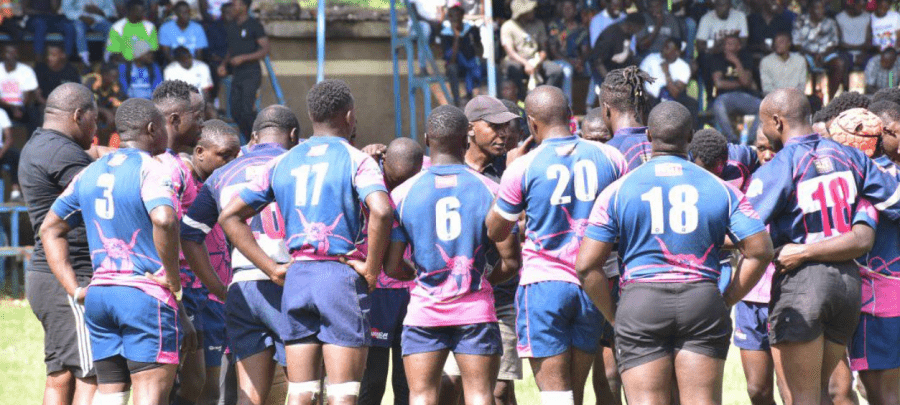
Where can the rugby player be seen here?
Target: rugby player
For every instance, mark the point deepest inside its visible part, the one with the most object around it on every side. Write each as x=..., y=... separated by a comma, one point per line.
x=554, y=185
x=593, y=128
x=670, y=251
x=321, y=186
x=128, y=205
x=624, y=108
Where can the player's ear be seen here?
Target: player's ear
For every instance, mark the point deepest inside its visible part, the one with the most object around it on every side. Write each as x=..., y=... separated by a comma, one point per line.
x=426, y=140
x=199, y=152
x=294, y=136
x=649, y=136
x=77, y=115
x=471, y=130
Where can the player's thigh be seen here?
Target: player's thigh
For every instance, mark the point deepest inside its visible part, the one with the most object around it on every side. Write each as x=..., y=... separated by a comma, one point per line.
x=254, y=375
x=423, y=373
x=758, y=370
x=649, y=383
x=304, y=362
x=344, y=364
x=479, y=374
x=799, y=366
x=552, y=373
x=882, y=386
x=699, y=377
x=152, y=386
x=480, y=346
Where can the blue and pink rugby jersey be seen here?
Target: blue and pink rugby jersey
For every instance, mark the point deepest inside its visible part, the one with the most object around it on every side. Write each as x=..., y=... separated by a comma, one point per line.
x=742, y=162
x=556, y=185
x=633, y=144
x=114, y=197
x=671, y=217
x=320, y=187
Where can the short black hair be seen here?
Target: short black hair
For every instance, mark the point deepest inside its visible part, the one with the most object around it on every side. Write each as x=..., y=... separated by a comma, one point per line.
x=673, y=40
x=786, y=34
x=847, y=100
x=709, y=145
x=133, y=115
x=173, y=90
x=594, y=114
x=276, y=116
x=180, y=52
x=447, y=124
x=134, y=3
x=217, y=132
x=181, y=3
x=70, y=97
x=109, y=66
x=55, y=44
x=887, y=93
x=636, y=19
x=886, y=108
x=327, y=99
x=670, y=123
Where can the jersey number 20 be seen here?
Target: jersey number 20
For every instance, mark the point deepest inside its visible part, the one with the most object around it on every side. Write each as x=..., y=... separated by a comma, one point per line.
x=585, y=182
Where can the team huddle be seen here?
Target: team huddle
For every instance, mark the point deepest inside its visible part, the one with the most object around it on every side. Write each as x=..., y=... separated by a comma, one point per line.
x=496, y=245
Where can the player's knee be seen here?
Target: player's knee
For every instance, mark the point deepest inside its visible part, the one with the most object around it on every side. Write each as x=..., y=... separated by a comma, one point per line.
x=502, y=392
x=760, y=393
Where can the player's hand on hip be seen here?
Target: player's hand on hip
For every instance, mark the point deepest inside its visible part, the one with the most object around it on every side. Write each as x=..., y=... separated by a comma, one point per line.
x=280, y=272
x=789, y=257
x=360, y=267
x=162, y=281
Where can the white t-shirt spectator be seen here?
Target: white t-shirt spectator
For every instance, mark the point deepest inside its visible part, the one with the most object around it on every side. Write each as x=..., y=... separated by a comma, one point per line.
x=430, y=9
x=884, y=29
x=712, y=27
x=853, y=29
x=652, y=64
x=198, y=75
x=14, y=85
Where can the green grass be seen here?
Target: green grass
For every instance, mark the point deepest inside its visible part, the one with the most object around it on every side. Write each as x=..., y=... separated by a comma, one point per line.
x=22, y=366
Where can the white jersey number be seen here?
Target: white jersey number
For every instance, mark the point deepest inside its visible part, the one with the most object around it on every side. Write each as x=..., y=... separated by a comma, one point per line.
x=448, y=223
x=104, y=206
x=302, y=175
x=683, y=216
x=586, y=182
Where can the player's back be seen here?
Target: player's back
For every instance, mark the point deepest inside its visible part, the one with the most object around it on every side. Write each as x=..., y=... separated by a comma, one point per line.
x=742, y=162
x=441, y=213
x=183, y=182
x=318, y=185
x=633, y=144
x=671, y=217
x=810, y=189
x=115, y=195
x=556, y=185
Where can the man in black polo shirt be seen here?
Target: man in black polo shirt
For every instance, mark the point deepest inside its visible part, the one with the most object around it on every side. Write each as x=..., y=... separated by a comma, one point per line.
x=247, y=45
x=49, y=161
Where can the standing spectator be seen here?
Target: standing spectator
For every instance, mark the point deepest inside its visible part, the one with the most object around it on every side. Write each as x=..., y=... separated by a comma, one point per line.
x=18, y=89
x=719, y=23
x=9, y=156
x=568, y=44
x=182, y=32
x=462, y=52
x=882, y=72
x=609, y=16
x=54, y=71
x=525, y=40
x=131, y=29
x=885, y=25
x=44, y=16
x=613, y=48
x=191, y=71
x=771, y=20
x=247, y=45
x=816, y=36
x=660, y=27
x=88, y=15
x=782, y=68
x=670, y=76
x=139, y=77
x=855, y=26
x=734, y=87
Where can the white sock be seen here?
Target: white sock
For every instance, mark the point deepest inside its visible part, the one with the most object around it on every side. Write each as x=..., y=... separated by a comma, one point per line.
x=116, y=398
x=557, y=398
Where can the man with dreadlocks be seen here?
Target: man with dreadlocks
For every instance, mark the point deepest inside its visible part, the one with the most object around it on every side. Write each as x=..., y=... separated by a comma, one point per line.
x=624, y=108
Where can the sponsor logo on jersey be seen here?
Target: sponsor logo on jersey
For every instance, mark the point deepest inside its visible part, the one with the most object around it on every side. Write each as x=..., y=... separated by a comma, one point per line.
x=669, y=170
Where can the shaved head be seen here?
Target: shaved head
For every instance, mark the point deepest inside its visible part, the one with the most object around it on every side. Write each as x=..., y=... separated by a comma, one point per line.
x=402, y=160
x=670, y=127
x=789, y=104
x=69, y=97
x=548, y=105
x=218, y=133
x=276, y=124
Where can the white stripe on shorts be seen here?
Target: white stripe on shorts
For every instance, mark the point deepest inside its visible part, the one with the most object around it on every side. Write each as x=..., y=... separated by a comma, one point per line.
x=85, y=354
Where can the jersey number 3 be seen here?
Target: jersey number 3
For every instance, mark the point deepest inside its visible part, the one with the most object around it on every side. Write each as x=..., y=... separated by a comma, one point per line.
x=683, y=215
x=104, y=206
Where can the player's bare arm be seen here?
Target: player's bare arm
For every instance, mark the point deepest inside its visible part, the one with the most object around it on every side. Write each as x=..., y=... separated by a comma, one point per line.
x=498, y=227
x=56, y=247
x=847, y=246
x=233, y=221
x=381, y=216
x=589, y=266
x=394, y=265
x=197, y=257
x=510, y=260
x=758, y=253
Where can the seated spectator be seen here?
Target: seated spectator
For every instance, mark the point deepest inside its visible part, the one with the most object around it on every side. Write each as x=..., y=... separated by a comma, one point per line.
x=18, y=89
x=734, y=87
x=525, y=40
x=430, y=14
x=109, y=95
x=568, y=45
x=89, y=15
x=885, y=25
x=44, y=17
x=11, y=19
x=182, y=32
x=613, y=48
x=719, y=23
x=9, y=156
x=129, y=30
x=462, y=52
x=139, y=77
x=54, y=71
x=771, y=20
x=660, y=27
x=610, y=15
x=816, y=36
x=670, y=76
x=883, y=72
x=782, y=68
x=190, y=70
x=856, y=34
